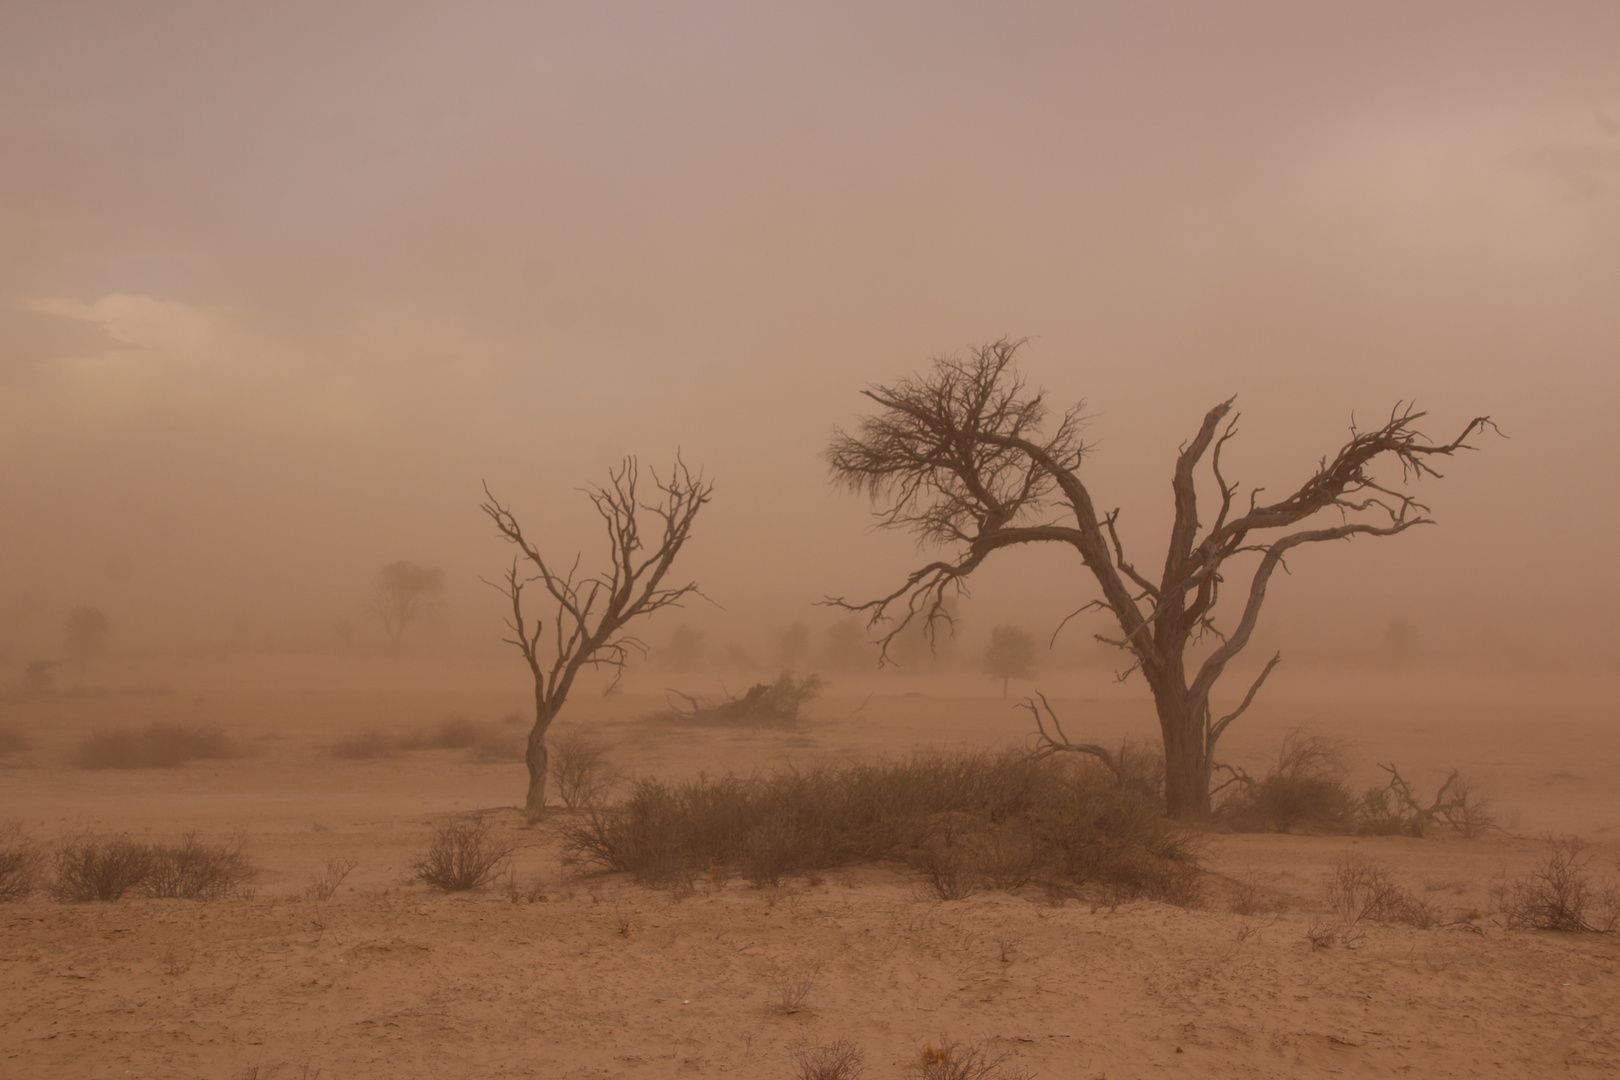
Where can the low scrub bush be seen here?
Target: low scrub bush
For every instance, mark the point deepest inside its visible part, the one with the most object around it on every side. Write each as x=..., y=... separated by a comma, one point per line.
x=580, y=769
x=193, y=870
x=1363, y=890
x=1306, y=789
x=965, y=1061
x=841, y=1060
x=91, y=868
x=777, y=704
x=1561, y=893
x=159, y=746
x=324, y=883
x=461, y=856
x=19, y=862
x=963, y=819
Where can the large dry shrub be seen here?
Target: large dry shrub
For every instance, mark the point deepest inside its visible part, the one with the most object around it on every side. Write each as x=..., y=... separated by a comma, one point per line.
x=462, y=855
x=193, y=870
x=19, y=862
x=89, y=868
x=1561, y=893
x=159, y=745
x=1069, y=818
x=103, y=868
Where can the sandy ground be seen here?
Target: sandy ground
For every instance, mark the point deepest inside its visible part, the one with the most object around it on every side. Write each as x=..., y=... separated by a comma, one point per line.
x=603, y=978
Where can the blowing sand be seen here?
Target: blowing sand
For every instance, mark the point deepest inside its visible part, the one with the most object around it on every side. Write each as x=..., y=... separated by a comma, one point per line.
x=604, y=978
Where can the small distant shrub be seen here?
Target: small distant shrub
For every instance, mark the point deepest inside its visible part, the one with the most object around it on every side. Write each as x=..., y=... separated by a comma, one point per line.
x=324, y=883
x=13, y=741
x=776, y=704
x=965, y=1061
x=193, y=870
x=1364, y=890
x=158, y=746
x=962, y=819
x=365, y=746
x=791, y=991
x=1397, y=809
x=841, y=1060
x=19, y=862
x=579, y=768
x=1560, y=893
x=461, y=856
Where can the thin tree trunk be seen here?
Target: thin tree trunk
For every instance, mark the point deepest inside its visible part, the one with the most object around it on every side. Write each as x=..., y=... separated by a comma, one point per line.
x=536, y=756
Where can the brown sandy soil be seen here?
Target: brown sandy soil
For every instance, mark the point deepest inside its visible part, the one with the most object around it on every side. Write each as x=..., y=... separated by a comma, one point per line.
x=604, y=978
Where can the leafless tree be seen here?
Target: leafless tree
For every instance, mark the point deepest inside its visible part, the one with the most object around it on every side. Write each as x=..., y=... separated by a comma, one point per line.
x=405, y=592
x=588, y=614
x=963, y=456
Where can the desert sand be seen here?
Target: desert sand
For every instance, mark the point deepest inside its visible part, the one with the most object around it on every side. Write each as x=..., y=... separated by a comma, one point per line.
x=606, y=978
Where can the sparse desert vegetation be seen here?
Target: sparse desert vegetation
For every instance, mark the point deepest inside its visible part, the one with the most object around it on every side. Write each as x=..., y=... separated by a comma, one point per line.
x=817, y=899
x=157, y=746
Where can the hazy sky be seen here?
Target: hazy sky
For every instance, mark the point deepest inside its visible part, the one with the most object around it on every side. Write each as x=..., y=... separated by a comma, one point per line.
x=280, y=284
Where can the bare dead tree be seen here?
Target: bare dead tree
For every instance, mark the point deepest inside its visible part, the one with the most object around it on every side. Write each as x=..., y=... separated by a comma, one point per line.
x=587, y=615
x=962, y=456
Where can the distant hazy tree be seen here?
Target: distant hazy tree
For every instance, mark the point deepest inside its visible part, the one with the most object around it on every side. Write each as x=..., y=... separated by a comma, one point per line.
x=85, y=634
x=685, y=649
x=792, y=646
x=587, y=616
x=405, y=592
x=961, y=456
x=1010, y=655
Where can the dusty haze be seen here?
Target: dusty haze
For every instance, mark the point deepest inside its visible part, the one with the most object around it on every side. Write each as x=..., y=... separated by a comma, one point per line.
x=282, y=284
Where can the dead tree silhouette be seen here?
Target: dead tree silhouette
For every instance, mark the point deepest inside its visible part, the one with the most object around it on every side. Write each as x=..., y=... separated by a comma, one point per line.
x=960, y=456
x=588, y=615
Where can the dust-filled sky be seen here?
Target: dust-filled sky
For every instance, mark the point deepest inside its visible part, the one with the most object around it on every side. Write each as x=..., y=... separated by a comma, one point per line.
x=281, y=283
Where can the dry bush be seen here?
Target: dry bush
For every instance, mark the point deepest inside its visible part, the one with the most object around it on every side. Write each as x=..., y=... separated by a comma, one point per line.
x=948, y=870
x=20, y=859
x=1363, y=889
x=1306, y=787
x=365, y=746
x=461, y=856
x=1396, y=809
x=841, y=1060
x=579, y=769
x=1069, y=817
x=776, y=704
x=1560, y=894
x=91, y=868
x=160, y=745
x=324, y=883
x=521, y=892
x=791, y=990
x=193, y=870
x=965, y=1061
x=13, y=741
